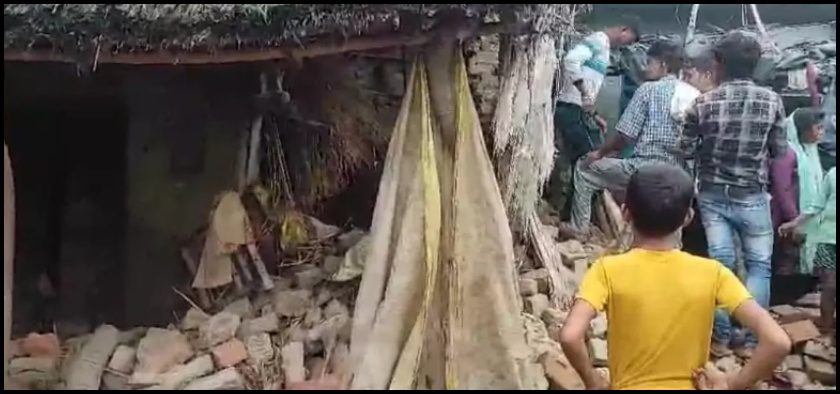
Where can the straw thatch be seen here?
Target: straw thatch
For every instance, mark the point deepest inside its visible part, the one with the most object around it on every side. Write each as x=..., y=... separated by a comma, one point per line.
x=208, y=27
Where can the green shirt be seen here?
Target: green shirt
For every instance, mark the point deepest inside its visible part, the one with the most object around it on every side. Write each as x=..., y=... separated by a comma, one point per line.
x=825, y=208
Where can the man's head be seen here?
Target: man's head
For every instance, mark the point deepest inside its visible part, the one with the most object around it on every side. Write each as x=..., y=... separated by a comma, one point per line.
x=624, y=33
x=738, y=54
x=664, y=57
x=702, y=72
x=658, y=201
x=809, y=125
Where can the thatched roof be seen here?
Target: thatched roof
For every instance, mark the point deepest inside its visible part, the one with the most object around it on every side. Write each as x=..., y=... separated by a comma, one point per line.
x=133, y=28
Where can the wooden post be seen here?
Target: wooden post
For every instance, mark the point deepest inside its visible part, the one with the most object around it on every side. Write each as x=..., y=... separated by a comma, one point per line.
x=692, y=24
x=8, y=257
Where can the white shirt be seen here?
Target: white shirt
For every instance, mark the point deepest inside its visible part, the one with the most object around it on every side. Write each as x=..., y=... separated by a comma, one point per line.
x=587, y=61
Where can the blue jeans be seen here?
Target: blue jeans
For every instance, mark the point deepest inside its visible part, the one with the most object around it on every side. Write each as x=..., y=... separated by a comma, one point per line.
x=749, y=217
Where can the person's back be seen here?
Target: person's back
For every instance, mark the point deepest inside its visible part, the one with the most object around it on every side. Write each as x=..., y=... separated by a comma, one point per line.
x=660, y=307
x=660, y=302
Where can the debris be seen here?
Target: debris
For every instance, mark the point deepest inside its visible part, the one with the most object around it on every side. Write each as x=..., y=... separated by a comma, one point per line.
x=528, y=287
x=226, y=379
x=599, y=350
x=123, y=359
x=259, y=348
x=821, y=351
x=728, y=364
x=182, y=374
x=293, y=367
x=353, y=263
x=218, y=329
x=241, y=307
x=339, y=362
x=132, y=337
x=324, y=296
x=159, y=351
x=323, y=231
x=33, y=371
x=788, y=314
x=541, y=277
x=335, y=308
x=327, y=382
x=114, y=381
x=554, y=317
x=292, y=303
x=559, y=372
x=794, y=361
x=308, y=278
x=194, y=319
x=267, y=323
x=85, y=370
x=332, y=264
x=801, y=331
x=599, y=326
x=571, y=250
x=316, y=367
x=797, y=379
x=537, y=304
x=820, y=371
x=810, y=300
x=350, y=239
x=40, y=345
x=229, y=353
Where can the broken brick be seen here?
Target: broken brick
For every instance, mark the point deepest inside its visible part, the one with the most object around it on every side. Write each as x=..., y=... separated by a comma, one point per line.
x=226, y=379
x=316, y=366
x=537, y=304
x=40, y=345
x=218, y=329
x=821, y=371
x=810, y=300
x=292, y=303
x=241, y=307
x=267, y=323
x=194, y=319
x=308, y=278
x=821, y=351
x=599, y=351
x=123, y=359
x=293, y=367
x=560, y=373
x=259, y=348
x=554, y=317
x=794, y=361
x=229, y=353
x=599, y=326
x=541, y=277
x=788, y=314
x=528, y=287
x=159, y=351
x=801, y=331
x=797, y=379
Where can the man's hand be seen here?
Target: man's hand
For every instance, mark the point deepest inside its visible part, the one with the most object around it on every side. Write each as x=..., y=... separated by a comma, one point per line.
x=710, y=378
x=592, y=157
x=587, y=103
x=788, y=229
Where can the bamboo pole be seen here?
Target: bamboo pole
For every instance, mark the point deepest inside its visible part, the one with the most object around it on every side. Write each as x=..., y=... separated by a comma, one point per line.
x=692, y=24
x=760, y=25
x=8, y=255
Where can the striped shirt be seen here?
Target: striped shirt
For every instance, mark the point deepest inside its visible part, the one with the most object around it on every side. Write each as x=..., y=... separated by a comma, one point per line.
x=648, y=121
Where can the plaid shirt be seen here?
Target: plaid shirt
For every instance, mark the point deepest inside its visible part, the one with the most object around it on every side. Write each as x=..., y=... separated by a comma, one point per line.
x=648, y=121
x=733, y=131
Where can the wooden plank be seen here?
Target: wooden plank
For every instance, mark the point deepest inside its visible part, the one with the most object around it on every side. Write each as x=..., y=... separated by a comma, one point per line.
x=320, y=48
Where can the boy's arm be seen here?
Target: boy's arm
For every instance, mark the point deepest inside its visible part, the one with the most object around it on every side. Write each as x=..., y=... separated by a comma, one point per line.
x=773, y=345
x=689, y=140
x=573, y=341
x=773, y=342
x=777, y=139
x=591, y=298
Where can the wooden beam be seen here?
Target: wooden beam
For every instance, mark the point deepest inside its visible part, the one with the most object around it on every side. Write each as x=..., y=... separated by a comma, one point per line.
x=320, y=48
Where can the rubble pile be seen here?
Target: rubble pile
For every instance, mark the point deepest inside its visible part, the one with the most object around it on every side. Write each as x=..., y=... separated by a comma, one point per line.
x=296, y=334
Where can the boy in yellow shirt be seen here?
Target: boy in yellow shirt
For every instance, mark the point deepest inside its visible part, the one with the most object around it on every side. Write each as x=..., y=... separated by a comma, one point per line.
x=660, y=301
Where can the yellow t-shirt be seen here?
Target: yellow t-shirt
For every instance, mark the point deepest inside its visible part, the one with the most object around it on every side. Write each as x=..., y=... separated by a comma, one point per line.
x=660, y=310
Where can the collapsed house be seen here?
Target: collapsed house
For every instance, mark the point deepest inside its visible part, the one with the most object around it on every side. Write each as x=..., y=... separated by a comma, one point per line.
x=127, y=124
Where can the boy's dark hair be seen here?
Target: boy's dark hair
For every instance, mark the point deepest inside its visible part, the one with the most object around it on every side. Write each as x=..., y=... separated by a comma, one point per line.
x=738, y=53
x=669, y=52
x=805, y=118
x=632, y=23
x=703, y=62
x=659, y=197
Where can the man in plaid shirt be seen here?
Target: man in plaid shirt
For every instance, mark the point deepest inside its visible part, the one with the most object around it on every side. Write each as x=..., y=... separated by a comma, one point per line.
x=732, y=132
x=647, y=122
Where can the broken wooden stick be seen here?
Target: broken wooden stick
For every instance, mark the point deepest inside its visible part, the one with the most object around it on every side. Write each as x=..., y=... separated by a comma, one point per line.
x=192, y=267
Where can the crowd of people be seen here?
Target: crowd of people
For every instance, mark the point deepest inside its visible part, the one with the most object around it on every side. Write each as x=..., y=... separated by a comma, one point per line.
x=706, y=140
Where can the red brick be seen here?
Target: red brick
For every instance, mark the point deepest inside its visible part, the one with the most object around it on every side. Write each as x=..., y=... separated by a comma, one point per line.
x=41, y=345
x=788, y=314
x=801, y=331
x=230, y=353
